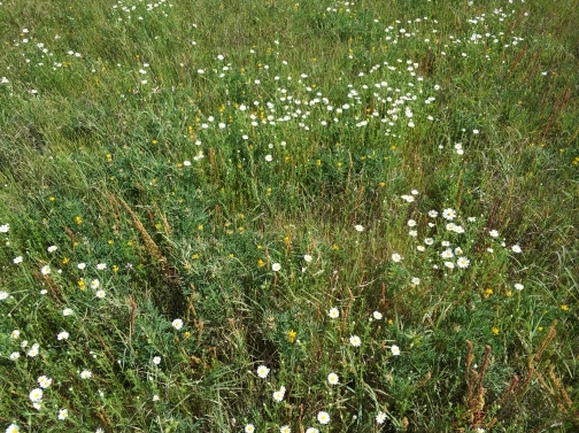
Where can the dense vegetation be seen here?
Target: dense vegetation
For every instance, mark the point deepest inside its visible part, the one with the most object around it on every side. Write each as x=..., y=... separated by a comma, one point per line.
x=325, y=216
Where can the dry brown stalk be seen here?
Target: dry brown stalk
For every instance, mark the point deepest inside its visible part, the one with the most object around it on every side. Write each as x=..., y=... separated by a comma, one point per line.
x=347, y=309
x=150, y=244
x=424, y=380
x=509, y=390
x=534, y=358
x=191, y=312
x=476, y=415
x=71, y=235
x=133, y=314
x=566, y=401
x=383, y=301
x=102, y=415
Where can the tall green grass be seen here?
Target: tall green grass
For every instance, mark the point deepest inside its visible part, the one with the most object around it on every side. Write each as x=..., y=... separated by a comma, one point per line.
x=255, y=216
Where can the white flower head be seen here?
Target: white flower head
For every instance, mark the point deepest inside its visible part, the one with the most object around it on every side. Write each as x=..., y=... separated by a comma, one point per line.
x=63, y=335
x=52, y=248
x=462, y=262
x=355, y=341
x=323, y=417
x=334, y=313
x=44, y=381
x=36, y=395
x=449, y=214
x=396, y=257
x=63, y=414
x=85, y=374
x=516, y=249
x=276, y=267
x=177, y=324
x=395, y=350
x=333, y=379
x=381, y=417
x=308, y=258
x=33, y=352
x=262, y=371
x=13, y=428
x=156, y=360
x=377, y=315
x=279, y=394
x=447, y=254
x=519, y=287
x=359, y=228
x=249, y=428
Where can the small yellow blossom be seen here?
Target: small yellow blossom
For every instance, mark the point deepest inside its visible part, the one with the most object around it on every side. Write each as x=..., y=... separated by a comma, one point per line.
x=115, y=268
x=81, y=285
x=77, y=219
x=231, y=255
x=51, y=198
x=291, y=336
x=200, y=227
x=110, y=242
x=495, y=330
x=65, y=260
x=488, y=292
x=195, y=256
x=335, y=247
x=260, y=263
x=564, y=307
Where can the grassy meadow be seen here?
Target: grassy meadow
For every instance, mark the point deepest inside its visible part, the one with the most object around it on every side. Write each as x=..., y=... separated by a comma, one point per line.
x=284, y=216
